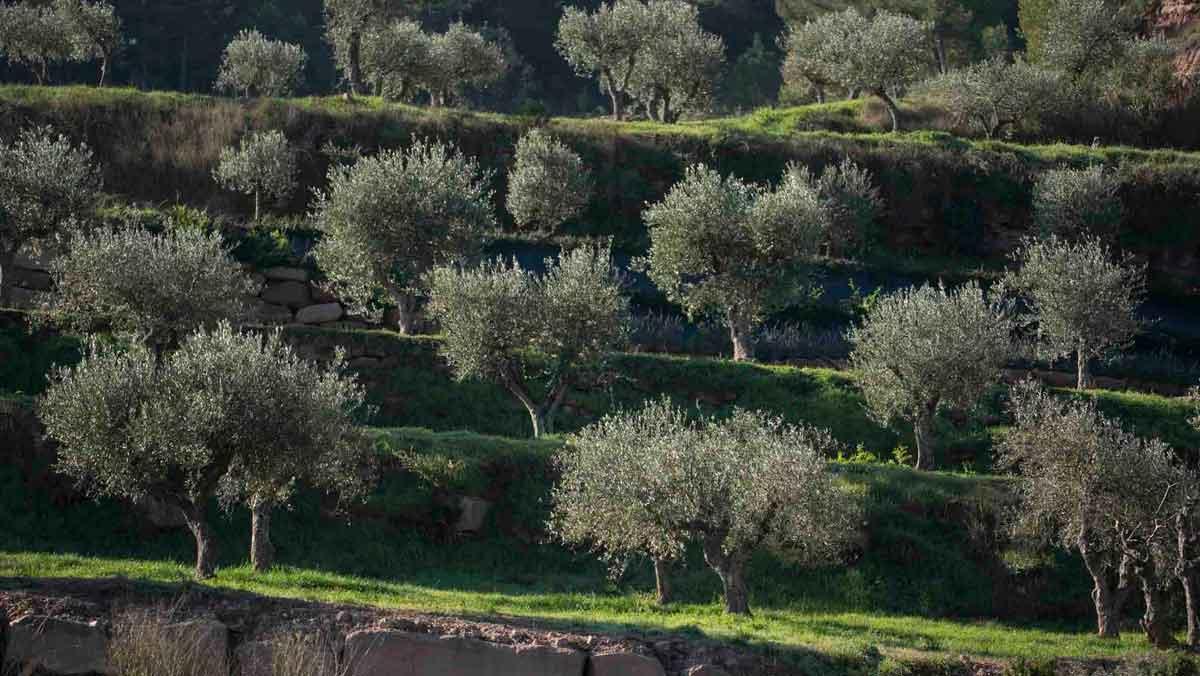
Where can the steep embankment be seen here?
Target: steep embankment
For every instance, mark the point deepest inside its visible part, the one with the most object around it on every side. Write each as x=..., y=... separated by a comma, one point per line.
x=944, y=195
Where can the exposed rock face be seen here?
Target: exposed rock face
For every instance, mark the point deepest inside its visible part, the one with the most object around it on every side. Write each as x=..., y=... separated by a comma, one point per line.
x=319, y=314
x=60, y=647
x=292, y=294
x=399, y=653
x=624, y=664
x=1174, y=18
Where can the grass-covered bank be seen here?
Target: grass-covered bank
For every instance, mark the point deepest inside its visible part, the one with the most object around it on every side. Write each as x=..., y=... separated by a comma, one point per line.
x=945, y=195
x=926, y=570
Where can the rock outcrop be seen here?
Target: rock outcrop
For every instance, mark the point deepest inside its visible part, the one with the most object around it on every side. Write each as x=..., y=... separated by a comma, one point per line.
x=399, y=653
x=56, y=646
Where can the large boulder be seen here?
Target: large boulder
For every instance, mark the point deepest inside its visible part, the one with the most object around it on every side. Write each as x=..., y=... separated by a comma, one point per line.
x=398, y=653
x=472, y=514
x=292, y=294
x=319, y=314
x=60, y=647
x=285, y=274
x=261, y=312
x=624, y=664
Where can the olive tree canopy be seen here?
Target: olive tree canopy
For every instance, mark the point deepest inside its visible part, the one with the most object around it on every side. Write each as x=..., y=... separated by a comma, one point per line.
x=460, y=59
x=1094, y=487
x=1072, y=202
x=719, y=246
x=1083, y=300
x=531, y=333
x=650, y=482
x=94, y=29
x=129, y=428
x=678, y=68
x=390, y=218
x=994, y=95
x=607, y=44
x=254, y=65
x=548, y=184
x=263, y=165
x=921, y=350
x=155, y=289
x=395, y=58
x=34, y=36
x=48, y=188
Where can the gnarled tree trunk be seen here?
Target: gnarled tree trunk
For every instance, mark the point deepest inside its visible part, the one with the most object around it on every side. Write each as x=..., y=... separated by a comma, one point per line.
x=731, y=568
x=741, y=334
x=262, y=552
x=206, y=543
x=892, y=108
x=1154, y=619
x=408, y=316
x=1083, y=377
x=923, y=435
x=1187, y=570
x=1109, y=590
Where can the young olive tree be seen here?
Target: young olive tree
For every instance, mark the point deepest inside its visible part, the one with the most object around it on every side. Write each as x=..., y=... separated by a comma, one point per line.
x=922, y=350
x=1083, y=301
x=33, y=36
x=94, y=29
x=254, y=65
x=680, y=64
x=853, y=201
x=719, y=246
x=461, y=58
x=154, y=289
x=994, y=95
x=395, y=58
x=313, y=435
x=48, y=188
x=1081, y=37
x=607, y=44
x=129, y=428
x=1078, y=202
x=389, y=219
x=511, y=327
x=735, y=485
x=1095, y=487
x=548, y=184
x=264, y=164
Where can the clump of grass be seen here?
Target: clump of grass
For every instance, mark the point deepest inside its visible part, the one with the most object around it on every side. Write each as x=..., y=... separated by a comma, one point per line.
x=156, y=642
x=298, y=653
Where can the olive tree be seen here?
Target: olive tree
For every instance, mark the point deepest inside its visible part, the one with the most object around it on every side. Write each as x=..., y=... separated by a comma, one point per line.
x=255, y=65
x=993, y=95
x=1095, y=487
x=154, y=289
x=650, y=482
x=719, y=246
x=548, y=183
x=679, y=67
x=94, y=29
x=852, y=198
x=1081, y=37
x=1078, y=202
x=1187, y=538
x=390, y=218
x=264, y=164
x=33, y=36
x=461, y=58
x=922, y=350
x=1083, y=301
x=395, y=58
x=531, y=333
x=879, y=56
x=49, y=187
x=129, y=428
x=347, y=23
x=812, y=49
x=607, y=44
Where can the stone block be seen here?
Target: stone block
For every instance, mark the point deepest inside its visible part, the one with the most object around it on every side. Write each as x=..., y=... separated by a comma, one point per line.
x=319, y=314
x=472, y=514
x=30, y=279
x=206, y=643
x=398, y=653
x=285, y=274
x=60, y=647
x=261, y=312
x=624, y=664
x=292, y=294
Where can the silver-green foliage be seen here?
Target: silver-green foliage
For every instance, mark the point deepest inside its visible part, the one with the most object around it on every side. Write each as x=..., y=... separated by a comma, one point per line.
x=460, y=59
x=263, y=165
x=1092, y=485
x=34, y=36
x=720, y=246
x=529, y=332
x=49, y=187
x=680, y=63
x=155, y=289
x=1072, y=202
x=390, y=218
x=254, y=65
x=548, y=184
x=994, y=95
x=395, y=58
x=226, y=407
x=922, y=350
x=1082, y=36
x=94, y=29
x=853, y=201
x=651, y=481
x=1084, y=300
x=607, y=44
